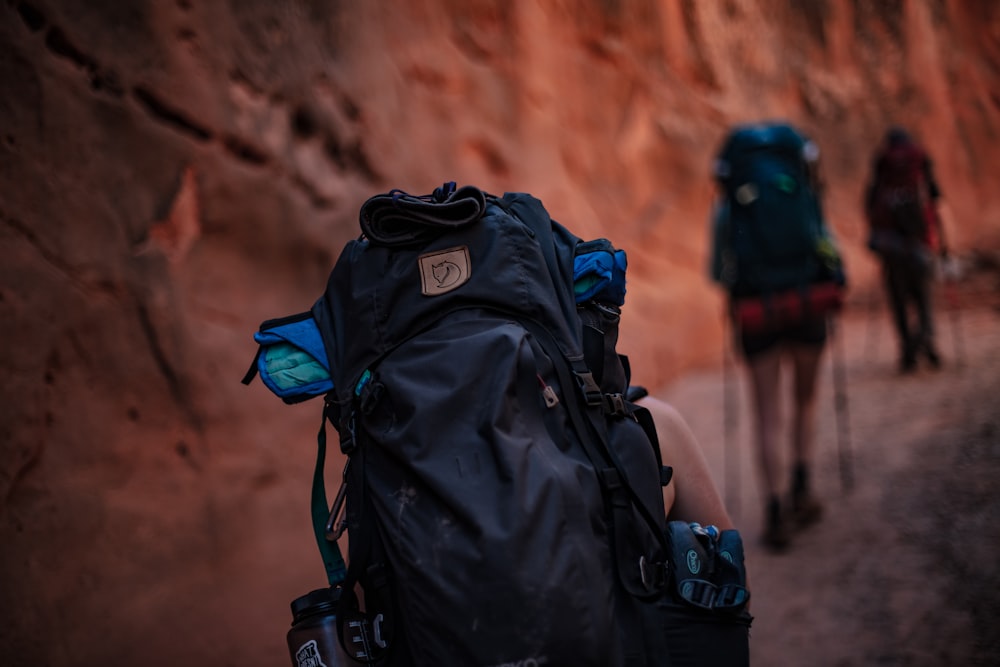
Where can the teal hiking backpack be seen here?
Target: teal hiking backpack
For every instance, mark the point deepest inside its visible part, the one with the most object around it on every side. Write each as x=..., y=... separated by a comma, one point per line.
x=769, y=235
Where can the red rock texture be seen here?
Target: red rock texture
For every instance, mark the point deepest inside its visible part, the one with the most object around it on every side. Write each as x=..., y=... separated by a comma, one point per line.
x=173, y=173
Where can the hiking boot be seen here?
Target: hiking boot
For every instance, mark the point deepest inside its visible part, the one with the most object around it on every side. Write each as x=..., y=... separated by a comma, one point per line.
x=908, y=355
x=806, y=510
x=907, y=364
x=932, y=357
x=777, y=534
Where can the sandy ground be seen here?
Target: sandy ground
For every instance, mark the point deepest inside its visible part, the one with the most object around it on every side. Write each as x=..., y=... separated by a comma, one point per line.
x=904, y=569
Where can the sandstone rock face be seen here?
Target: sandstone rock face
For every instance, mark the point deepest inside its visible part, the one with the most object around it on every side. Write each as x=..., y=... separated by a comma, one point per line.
x=173, y=173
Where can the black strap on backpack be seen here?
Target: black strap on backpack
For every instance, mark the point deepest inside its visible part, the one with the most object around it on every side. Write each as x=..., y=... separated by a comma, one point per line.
x=587, y=417
x=322, y=516
x=366, y=636
x=388, y=222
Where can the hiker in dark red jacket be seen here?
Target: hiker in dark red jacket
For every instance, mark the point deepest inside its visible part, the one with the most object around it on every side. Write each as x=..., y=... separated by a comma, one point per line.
x=905, y=231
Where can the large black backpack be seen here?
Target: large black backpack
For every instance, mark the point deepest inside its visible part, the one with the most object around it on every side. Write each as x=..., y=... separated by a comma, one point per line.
x=502, y=490
x=504, y=501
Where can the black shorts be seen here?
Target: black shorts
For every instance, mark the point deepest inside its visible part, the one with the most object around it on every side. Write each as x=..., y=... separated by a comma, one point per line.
x=811, y=331
x=682, y=636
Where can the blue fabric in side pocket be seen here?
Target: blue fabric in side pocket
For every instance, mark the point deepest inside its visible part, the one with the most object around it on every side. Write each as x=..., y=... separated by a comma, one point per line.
x=292, y=362
x=600, y=274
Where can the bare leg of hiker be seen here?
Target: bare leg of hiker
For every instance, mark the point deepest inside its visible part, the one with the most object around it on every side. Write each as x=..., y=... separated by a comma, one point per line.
x=765, y=377
x=806, y=363
x=691, y=494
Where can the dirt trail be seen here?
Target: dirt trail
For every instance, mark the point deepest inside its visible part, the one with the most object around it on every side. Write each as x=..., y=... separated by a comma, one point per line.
x=904, y=569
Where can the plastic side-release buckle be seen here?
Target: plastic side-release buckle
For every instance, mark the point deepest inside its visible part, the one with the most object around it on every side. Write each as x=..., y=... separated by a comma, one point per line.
x=589, y=388
x=614, y=405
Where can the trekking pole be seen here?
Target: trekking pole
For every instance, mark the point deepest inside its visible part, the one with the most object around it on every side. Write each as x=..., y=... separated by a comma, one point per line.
x=871, y=330
x=950, y=273
x=954, y=314
x=730, y=412
x=841, y=408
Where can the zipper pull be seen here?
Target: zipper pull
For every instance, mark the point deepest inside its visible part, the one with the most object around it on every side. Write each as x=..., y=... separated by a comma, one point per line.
x=548, y=393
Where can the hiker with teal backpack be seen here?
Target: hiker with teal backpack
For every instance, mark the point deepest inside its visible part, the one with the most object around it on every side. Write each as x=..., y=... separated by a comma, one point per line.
x=504, y=491
x=775, y=257
x=905, y=230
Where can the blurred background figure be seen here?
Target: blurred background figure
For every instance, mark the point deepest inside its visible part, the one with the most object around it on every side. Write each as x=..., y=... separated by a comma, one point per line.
x=775, y=257
x=905, y=230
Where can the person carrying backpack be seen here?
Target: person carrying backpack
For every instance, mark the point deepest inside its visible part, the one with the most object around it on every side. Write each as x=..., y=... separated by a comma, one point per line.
x=503, y=491
x=697, y=516
x=904, y=231
x=777, y=261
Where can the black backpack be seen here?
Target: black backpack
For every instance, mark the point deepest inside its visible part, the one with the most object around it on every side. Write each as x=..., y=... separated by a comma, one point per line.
x=503, y=497
x=503, y=493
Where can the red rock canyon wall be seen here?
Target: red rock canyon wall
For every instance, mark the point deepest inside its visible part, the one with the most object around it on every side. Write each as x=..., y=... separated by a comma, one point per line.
x=172, y=173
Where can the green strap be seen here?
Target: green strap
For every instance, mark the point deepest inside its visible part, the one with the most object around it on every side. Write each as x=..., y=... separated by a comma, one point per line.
x=333, y=561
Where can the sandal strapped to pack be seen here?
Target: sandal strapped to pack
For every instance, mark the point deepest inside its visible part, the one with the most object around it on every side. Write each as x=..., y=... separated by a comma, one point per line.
x=708, y=567
x=399, y=219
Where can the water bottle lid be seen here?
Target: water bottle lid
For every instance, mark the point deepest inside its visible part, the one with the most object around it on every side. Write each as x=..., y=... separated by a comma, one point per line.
x=315, y=602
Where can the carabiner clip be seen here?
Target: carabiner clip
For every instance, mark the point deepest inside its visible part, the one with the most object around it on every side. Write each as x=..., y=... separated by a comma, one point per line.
x=335, y=526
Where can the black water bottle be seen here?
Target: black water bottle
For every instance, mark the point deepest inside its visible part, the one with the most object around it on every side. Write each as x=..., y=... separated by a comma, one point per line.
x=312, y=639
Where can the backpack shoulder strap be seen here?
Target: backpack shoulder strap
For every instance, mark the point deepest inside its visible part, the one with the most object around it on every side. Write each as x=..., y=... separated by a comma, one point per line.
x=325, y=519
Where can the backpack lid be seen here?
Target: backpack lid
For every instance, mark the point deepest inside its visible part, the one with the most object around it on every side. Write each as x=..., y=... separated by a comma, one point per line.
x=744, y=141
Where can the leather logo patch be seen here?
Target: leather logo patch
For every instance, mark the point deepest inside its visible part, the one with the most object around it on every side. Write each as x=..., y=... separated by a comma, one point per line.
x=444, y=270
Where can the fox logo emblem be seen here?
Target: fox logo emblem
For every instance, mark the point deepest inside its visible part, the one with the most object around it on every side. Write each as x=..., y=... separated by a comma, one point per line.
x=446, y=274
x=444, y=270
